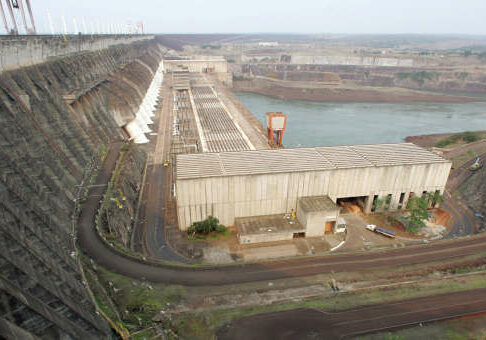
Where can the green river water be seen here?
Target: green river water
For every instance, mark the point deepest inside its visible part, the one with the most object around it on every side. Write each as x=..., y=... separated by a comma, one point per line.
x=319, y=124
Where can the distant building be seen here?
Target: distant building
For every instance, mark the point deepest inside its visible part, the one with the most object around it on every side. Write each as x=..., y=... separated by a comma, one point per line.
x=268, y=43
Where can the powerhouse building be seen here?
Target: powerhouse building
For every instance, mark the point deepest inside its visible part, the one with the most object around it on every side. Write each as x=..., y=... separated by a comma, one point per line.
x=231, y=185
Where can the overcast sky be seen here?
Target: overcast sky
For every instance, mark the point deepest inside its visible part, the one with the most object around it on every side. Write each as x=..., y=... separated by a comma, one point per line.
x=248, y=16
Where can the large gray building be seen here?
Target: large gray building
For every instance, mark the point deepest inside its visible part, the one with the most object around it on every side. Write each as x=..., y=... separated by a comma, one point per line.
x=229, y=185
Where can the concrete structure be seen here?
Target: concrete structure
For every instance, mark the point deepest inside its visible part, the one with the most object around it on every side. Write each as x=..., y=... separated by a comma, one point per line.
x=351, y=60
x=28, y=50
x=217, y=66
x=206, y=65
x=268, y=228
x=265, y=182
x=139, y=126
x=57, y=119
x=218, y=129
x=318, y=214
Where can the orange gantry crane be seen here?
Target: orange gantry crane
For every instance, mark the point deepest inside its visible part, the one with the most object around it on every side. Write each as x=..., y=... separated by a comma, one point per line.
x=276, y=124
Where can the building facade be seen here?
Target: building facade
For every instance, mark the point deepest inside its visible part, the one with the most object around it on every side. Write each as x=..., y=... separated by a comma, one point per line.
x=255, y=183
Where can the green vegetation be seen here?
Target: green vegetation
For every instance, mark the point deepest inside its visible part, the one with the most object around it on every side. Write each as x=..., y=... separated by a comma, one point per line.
x=207, y=226
x=462, y=75
x=466, y=137
x=230, y=60
x=419, y=211
x=418, y=77
x=240, y=77
x=102, y=217
x=418, y=208
x=137, y=301
x=210, y=46
x=382, y=205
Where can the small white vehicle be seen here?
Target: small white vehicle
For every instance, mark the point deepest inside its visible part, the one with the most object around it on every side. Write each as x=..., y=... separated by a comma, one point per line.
x=371, y=227
x=341, y=225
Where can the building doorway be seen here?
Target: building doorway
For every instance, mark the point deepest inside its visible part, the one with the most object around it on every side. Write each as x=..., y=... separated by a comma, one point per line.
x=329, y=227
x=352, y=204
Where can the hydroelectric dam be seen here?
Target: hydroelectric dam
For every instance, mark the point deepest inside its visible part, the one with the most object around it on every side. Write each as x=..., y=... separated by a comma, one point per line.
x=113, y=144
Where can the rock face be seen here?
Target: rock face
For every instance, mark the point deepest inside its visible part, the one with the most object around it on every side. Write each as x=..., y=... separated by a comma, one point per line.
x=56, y=119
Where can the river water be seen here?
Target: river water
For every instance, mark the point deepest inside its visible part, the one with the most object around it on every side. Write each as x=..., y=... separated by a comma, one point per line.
x=319, y=124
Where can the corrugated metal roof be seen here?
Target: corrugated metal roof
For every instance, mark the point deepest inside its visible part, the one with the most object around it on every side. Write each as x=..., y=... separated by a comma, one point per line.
x=302, y=159
x=317, y=203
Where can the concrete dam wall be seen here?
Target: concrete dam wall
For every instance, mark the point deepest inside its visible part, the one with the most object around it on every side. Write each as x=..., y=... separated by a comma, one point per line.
x=57, y=119
x=16, y=51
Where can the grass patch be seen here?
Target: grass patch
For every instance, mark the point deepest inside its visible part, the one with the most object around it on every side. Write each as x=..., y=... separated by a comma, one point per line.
x=464, y=137
x=210, y=237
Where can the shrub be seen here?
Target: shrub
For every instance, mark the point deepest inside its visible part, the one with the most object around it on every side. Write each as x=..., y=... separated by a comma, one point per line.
x=470, y=137
x=207, y=226
x=221, y=228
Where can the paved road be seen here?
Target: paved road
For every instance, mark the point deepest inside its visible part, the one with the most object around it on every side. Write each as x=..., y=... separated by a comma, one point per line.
x=316, y=324
x=149, y=236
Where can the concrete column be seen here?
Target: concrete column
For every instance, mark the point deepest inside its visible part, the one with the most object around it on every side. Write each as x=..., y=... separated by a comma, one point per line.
x=394, y=201
x=405, y=200
x=368, y=204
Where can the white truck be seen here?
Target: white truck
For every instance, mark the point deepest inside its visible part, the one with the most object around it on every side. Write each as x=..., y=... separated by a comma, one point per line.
x=379, y=230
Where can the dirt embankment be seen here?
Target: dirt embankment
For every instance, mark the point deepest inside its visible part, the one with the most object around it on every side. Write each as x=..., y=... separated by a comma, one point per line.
x=427, y=141
x=473, y=192
x=466, y=78
x=329, y=93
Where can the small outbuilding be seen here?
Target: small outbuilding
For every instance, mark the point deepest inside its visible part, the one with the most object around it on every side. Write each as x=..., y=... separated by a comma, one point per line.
x=317, y=214
x=269, y=228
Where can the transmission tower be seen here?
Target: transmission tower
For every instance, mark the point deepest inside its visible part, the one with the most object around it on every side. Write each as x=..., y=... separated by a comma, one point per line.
x=16, y=7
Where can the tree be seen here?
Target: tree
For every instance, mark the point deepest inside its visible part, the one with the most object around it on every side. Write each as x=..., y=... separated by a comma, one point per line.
x=207, y=226
x=419, y=211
